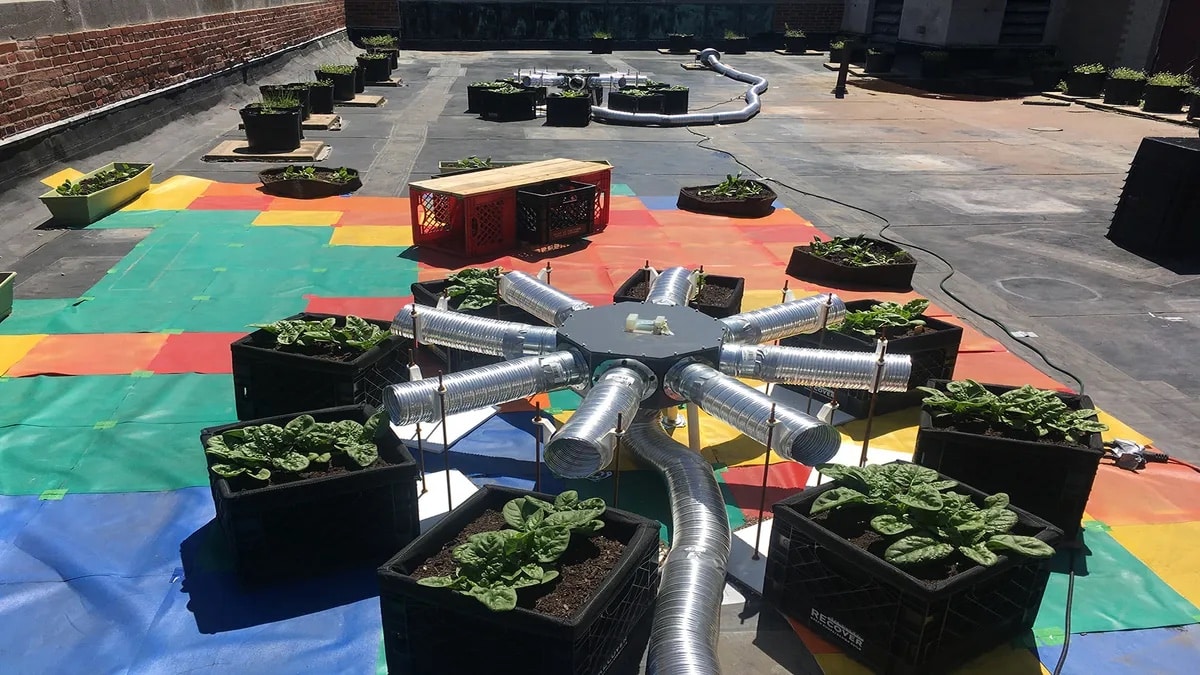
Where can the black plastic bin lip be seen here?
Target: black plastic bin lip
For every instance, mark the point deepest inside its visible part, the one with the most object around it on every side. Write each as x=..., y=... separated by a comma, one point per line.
x=408, y=465
x=897, y=577
x=434, y=538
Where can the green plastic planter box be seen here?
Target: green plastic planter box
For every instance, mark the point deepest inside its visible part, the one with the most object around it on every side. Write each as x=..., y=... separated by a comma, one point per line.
x=87, y=209
x=7, y=281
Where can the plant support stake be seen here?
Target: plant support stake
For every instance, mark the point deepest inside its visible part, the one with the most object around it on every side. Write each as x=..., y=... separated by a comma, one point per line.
x=843, y=71
x=880, y=351
x=820, y=342
x=762, y=500
x=537, y=447
x=445, y=440
x=617, y=458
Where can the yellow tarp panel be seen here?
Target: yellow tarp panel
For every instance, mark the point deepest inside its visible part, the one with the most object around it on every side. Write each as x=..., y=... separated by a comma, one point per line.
x=175, y=193
x=1170, y=550
x=319, y=218
x=13, y=348
x=370, y=235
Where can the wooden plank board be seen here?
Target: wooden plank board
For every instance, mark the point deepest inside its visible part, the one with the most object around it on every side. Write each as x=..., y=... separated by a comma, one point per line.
x=239, y=151
x=507, y=178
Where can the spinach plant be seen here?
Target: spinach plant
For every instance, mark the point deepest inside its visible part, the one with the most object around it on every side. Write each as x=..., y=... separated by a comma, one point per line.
x=733, y=35
x=914, y=503
x=1037, y=412
x=357, y=335
x=602, y=35
x=477, y=286
x=855, y=252
x=1089, y=69
x=336, y=69
x=1169, y=80
x=735, y=187
x=491, y=566
x=385, y=41
x=788, y=31
x=884, y=315
x=120, y=173
x=474, y=162
x=303, y=442
x=1124, y=73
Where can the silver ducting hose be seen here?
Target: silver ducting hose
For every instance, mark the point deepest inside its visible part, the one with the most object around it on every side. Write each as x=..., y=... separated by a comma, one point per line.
x=539, y=299
x=475, y=333
x=418, y=400
x=672, y=287
x=687, y=622
x=783, y=321
x=711, y=58
x=816, y=367
x=584, y=445
x=797, y=436
x=546, y=78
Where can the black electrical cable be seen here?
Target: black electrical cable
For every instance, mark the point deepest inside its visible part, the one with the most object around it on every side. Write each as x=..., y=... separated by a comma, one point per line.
x=1062, y=658
x=887, y=224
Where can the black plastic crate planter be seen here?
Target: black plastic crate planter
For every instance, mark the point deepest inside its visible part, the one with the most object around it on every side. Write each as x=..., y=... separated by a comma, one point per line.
x=675, y=100
x=343, y=84
x=1087, y=85
x=1051, y=480
x=653, y=103
x=691, y=199
x=507, y=107
x=321, y=184
x=315, y=524
x=563, y=111
x=808, y=267
x=320, y=96
x=555, y=212
x=1123, y=91
x=427, y=293
x=679, y=43
x=635, y=289
x=887, y=619
x=934, y=354
x=268, y=382
x=435, y=630
x=272, y=130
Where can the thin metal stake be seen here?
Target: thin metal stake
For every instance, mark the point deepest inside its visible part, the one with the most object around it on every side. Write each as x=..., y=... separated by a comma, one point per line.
x=617, y=467
x=421, y=454
x=537, y=447
x=416, y=338
x=445, y=440
x=820, y=342
x=762, y=502
x=547, y=272
x=882, y=351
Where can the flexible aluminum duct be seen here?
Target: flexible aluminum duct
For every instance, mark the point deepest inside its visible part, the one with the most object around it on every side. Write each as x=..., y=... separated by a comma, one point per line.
x=584, y=445
x=783, y=321
x=475, y=333
x=711, y=58
x=816, y=367
x=418, y=401
x=672, y=287
x=546, y=78
x=539, y=299
x=687, y=622
x=798, y=437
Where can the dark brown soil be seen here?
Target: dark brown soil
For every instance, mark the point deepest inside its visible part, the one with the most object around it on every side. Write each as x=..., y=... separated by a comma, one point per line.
x=984, y=429
x=854, y=525
x=710, y=295
x=329, y=352
x=587, y=562
x=339, y=465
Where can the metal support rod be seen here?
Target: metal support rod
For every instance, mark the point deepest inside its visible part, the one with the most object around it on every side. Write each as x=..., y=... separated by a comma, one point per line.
x=421, y=455
x=537, y=447
x=820, y=341
x=445, y=441
x=881, y=350
x=412, y=359
x=617, y=458
x=762, y=501
x=693, y=422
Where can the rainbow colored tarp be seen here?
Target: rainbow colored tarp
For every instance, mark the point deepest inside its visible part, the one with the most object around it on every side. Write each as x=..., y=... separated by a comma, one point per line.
x=108, y=559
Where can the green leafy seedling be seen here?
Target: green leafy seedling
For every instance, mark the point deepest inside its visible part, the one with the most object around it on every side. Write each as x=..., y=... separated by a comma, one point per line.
x=1040, y=413
x=884, y=316
x=478, y=287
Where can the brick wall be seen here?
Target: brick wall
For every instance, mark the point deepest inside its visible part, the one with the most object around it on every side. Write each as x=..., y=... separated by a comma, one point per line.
x=811, y=16
x=51, y=78
x=373, y=14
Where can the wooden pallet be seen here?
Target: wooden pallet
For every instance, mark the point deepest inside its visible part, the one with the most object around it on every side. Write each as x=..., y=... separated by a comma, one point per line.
x=508, y=178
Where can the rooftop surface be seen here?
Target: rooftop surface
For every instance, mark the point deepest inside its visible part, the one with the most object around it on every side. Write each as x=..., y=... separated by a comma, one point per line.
x=1017, y=198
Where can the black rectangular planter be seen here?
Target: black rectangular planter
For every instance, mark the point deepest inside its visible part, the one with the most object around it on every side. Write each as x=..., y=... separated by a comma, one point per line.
x=344, y=86
x=636, y=104
x=555, y=212
x=808, y=267
x=734, y=306
x=934, y=355
x=435, y=630
x=508, y=107
x=427, y=293
x=1050, y=480
x=568, y=112
x=1159, y=205
x=885, y=618
x=675, y=101
x=268, y=382
x=308, y=526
